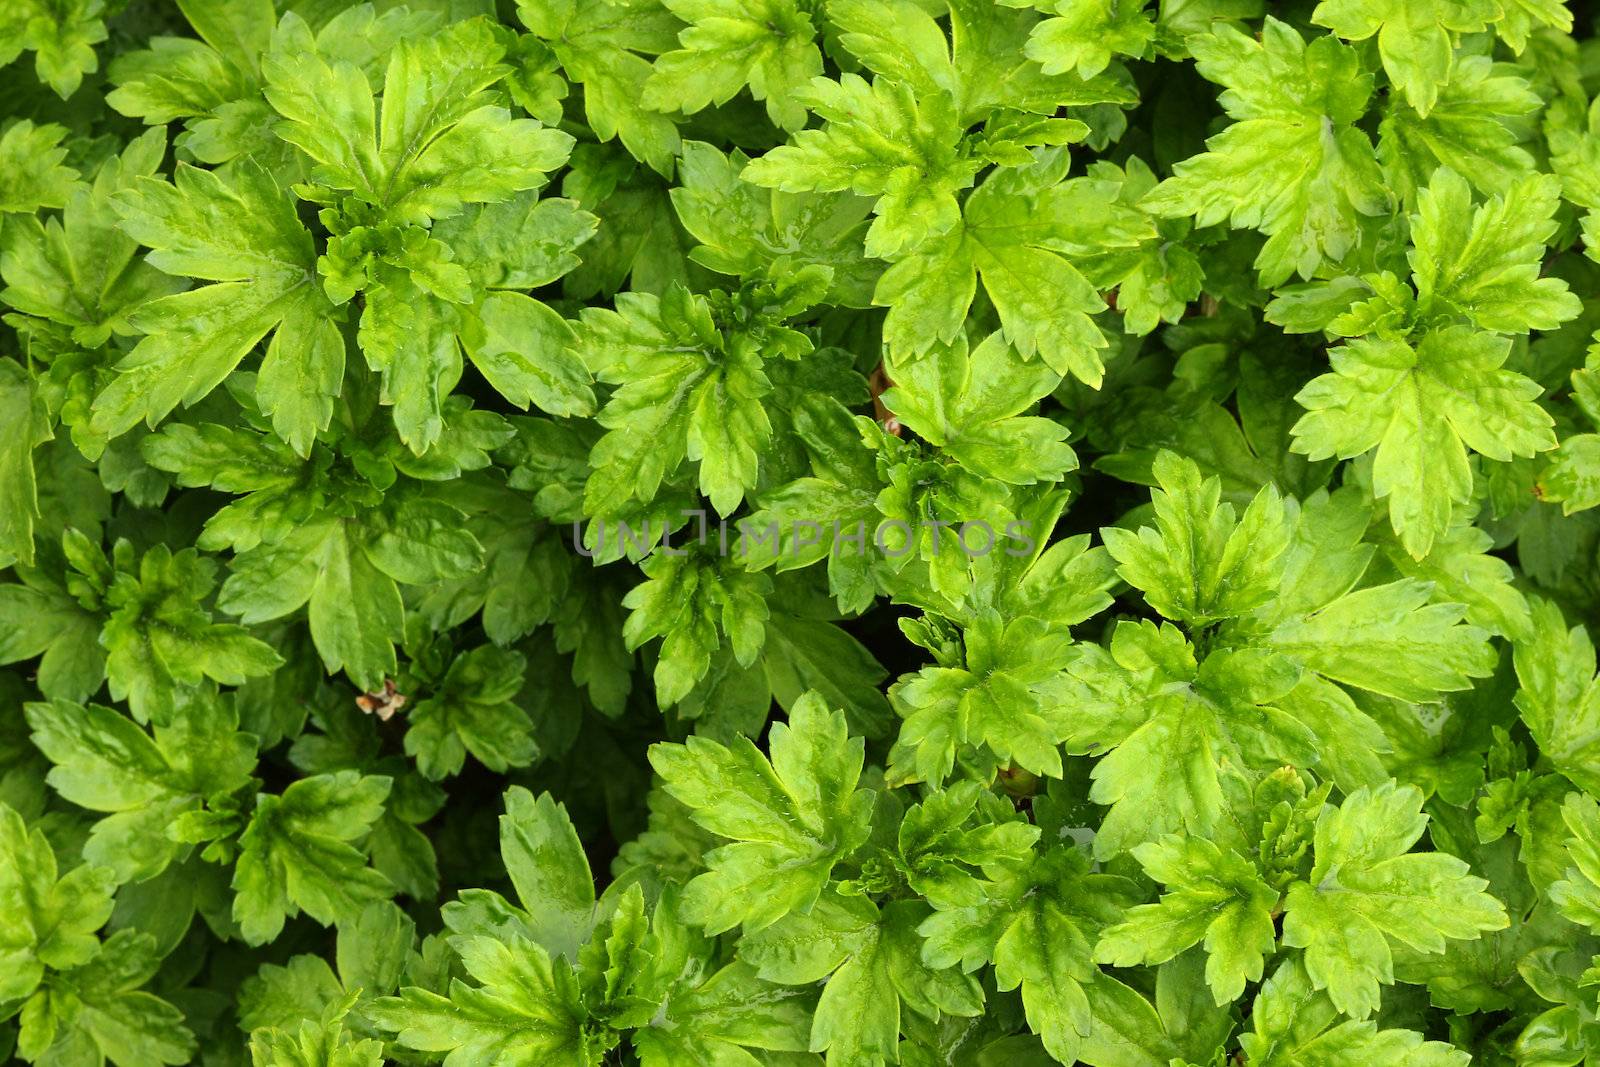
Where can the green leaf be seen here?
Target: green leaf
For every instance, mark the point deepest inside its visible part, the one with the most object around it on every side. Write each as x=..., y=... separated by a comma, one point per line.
x=1039, y=928
x=159, y=638
x=1293, y=165
x=971, y=404
x=50, y=918
x=945, y=841
x=1178, y=1024
x=1461, y=571
x=870, y=961
x=410, y=338
x=143, y=782
x=597, y=43
x=547, y=865
x=1006, y=701
x=319, y=1043
x=474, y=710
x=1577, y=894
x=1084, y=35
x=1559, y=698
x=1488, y=273
x=1295, y=1025
x=1470, y=129
x=239, y=32
x=347, y=572
x=182, y=78
x=527, y=572
x=1174, y=728
x=1156, y=280
x=590, y=627
x=1200, y=565
x=441, y=141
x=107, y=1016
x=1422, y=408
x=684, y=391
x=31, y=159
x=61, y=34
x=78, y=271
x=747, y=230
x=788, y=821
x=296, y=854
x=1520, y=18
x=881, y=140
x=1573, y=477
x=1415, y=40
x=1367, y=892
x=839, y=495
x=1016, y=231
x=984, y=68
x=715, y=1021
x=499, y=339
x=1213, y=895
x=692, y=602
x=768, y=46
x=524, y=1009
x=44, y=621
x=276, y=997
x=1155, y=456
x=1482, y=975
x=801, y=655
x=1388, y=639
x=523, y=242
x=241, y=232
x=20, y=409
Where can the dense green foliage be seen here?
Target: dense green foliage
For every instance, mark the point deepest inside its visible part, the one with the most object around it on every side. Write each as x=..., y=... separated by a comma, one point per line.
x=808, y=533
